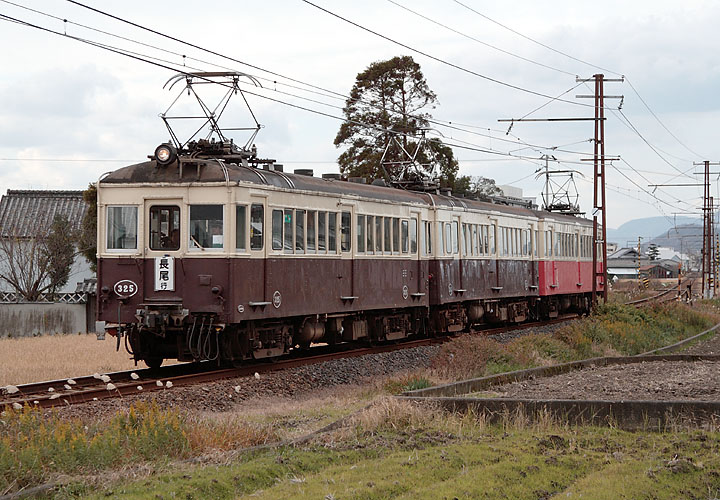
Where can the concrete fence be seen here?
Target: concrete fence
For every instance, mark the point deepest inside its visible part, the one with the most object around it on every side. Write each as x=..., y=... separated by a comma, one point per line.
x=40, y=318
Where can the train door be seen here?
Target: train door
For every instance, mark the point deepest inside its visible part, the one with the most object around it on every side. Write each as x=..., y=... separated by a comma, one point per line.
x=164, y=243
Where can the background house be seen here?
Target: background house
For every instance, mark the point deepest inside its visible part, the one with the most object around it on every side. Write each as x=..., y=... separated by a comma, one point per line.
x=23, y=212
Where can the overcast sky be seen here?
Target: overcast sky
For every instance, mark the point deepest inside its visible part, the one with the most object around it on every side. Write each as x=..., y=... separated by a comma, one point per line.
x=70, y=111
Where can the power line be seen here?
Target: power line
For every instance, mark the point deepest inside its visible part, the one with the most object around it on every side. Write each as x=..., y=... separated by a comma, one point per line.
x=440, y=60
x=478, y=40
x=586, y=63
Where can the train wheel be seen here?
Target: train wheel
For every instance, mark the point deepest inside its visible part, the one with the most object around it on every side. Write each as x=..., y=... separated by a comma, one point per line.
x=154, y=362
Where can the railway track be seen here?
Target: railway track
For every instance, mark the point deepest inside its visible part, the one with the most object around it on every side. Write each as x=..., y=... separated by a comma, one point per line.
x=84, y=389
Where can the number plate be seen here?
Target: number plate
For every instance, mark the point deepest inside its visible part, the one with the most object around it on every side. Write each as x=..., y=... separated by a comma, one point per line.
x=125, y=288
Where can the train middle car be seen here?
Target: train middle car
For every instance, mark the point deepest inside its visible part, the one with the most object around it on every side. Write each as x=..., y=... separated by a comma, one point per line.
x=208, y=260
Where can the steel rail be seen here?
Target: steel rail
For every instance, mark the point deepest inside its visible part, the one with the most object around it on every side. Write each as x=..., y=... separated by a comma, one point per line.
x=91, y=388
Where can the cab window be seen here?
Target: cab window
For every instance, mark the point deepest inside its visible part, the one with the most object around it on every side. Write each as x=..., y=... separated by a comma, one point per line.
x=164, y=227
x=122, y=228
x=206, y=226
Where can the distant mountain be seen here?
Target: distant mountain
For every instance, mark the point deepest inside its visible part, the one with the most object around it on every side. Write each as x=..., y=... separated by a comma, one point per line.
x=649, y=228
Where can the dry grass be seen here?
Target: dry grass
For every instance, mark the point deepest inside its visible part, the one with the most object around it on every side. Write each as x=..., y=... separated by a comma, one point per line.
x=50, y=357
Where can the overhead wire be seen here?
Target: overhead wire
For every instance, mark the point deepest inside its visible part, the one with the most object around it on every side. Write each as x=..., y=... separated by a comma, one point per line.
x=324, y=93
x=134, y=55
x=470, y=37
x=592, y=65
x=439, y=59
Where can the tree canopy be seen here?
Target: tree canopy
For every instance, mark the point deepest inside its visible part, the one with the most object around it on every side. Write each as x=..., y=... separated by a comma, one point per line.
x=386, y=115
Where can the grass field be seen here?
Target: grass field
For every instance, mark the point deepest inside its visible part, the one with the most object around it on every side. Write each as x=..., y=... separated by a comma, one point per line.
x=397, y=450
x=50, y=357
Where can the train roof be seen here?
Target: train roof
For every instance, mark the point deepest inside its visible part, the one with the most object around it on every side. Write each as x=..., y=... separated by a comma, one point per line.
x=215, y=171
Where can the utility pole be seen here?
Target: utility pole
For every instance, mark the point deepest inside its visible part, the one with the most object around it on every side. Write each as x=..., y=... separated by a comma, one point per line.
x=599, y=205
x=709, y=275
x=638, y=262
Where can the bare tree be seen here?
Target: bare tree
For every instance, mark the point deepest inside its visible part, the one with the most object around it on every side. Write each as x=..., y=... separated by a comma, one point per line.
x=39, y=262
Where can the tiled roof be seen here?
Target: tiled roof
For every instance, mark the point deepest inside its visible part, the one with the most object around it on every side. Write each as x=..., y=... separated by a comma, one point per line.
x=22, y=212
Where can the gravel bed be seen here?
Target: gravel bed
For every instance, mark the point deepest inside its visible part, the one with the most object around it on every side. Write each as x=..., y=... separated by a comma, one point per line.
x=224, y=395
x=645, y=381
x=707, y=346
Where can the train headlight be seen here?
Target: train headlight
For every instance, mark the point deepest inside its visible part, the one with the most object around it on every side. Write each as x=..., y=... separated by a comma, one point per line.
x=165, y=154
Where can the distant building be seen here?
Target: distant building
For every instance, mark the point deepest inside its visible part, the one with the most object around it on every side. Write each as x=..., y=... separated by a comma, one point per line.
x=623, y=263
x=23, y=211
x=660, y=269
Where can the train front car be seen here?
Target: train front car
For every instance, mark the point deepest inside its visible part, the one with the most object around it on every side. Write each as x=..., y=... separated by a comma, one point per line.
x=152, y=230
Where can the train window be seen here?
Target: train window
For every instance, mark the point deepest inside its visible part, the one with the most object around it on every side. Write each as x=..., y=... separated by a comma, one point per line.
x=277, y=229
x=361, y=233
x=474, y=240
x=484, y=239
x=345, y=236
x=465, y=237
x=378, y=234
x=455, y=235
x=311, y=225
x=288, y=231
x=413, y=235
x=426, y=238
x=524, y=242
x=299, y=231
x=448, y=238
x=503, y=241
x=387, y=235
x=492, y=235
x=322, y=226
x=122, y=228
x=165, y=228
x=241, y=228
x=206, y=226
x=536, y=242
x=257, y=226
x=404, y=236
x=370, y=233
x=396, y=235
x=332, y=232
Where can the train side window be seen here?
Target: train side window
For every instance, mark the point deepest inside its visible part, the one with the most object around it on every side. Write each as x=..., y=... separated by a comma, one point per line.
x=455, y=236
x=332, y=232
x=404, y=236
x=288, y=231
x=396, y=235
x=165, y=227
x=361, y=234
x=426, y=238
x=322, y=226
x=378, y=234
x=277, y=229
x=370, y=233
x=345, y=234
x=413, y=236
x=241, y=228
x=257, y=226
x=299, y=231
x=122, y=225
x=206, y=226
x=387, y=236
x=467, y=239
x=492, y=238
x=311, y=225
x=448, y=238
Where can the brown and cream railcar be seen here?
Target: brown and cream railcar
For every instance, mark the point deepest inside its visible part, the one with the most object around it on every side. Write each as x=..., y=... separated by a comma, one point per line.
x=229, y=262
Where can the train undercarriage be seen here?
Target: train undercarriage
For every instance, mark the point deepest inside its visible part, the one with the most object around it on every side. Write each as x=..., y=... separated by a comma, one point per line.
x=179, y=334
